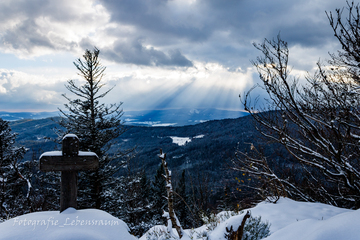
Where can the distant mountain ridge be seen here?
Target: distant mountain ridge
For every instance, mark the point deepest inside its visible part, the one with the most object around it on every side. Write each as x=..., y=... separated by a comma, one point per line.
x=178, y=117
x=15, y=116
x=164, y=117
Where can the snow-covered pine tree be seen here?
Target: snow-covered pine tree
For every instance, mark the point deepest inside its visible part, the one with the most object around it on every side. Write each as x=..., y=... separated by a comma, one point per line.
x=180, y=198
x=45, y=188
x=14, y=187
x=135, y=202
x=146, y=199
x=159, y=195
x=97, y=125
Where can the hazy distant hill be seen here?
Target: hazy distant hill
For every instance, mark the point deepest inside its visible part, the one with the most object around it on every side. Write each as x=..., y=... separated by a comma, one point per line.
x=167, y=117
x=178, y=117
x=13, y=116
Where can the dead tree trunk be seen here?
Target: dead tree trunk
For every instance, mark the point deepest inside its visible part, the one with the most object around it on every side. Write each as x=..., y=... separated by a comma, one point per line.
x=170, y=196
x=232, y=235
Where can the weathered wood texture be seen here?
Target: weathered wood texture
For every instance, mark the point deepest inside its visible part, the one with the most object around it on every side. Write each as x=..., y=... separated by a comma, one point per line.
x=70, y=145
x=170, y=196
x=62, y=163
x=68, y=194
x=68, y=161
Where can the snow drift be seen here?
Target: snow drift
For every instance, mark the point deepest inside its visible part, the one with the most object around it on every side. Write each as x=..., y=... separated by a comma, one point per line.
x=89, y=224
x=289, y=220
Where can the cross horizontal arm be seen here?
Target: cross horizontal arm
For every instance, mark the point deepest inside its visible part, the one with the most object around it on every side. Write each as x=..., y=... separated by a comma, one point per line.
x=55, y=161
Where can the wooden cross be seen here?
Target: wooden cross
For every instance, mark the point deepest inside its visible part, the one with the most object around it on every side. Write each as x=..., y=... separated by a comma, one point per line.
x=69, y=161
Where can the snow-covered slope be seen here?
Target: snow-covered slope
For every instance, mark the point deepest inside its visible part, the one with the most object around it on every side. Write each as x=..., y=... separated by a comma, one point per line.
x=344, y=226
x=291, y=220
x=287, y=211
x=89, y=224
x=288, y=219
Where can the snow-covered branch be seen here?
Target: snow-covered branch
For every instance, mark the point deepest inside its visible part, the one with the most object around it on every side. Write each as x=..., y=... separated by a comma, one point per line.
x=317, y=122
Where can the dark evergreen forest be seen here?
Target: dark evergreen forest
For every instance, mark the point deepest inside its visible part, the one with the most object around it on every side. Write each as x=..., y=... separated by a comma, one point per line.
x=205, y=159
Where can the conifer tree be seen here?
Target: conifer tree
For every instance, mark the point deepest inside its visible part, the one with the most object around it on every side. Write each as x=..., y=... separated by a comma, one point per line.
x=145, y=198
x=159, y=194
x=45, y=188
x=144, y=187
x=14, y=187
x=96, y=125
x=135, y=202
x=182, y=210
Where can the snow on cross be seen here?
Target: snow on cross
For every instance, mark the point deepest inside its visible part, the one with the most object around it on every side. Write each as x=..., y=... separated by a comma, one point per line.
x=69, y=161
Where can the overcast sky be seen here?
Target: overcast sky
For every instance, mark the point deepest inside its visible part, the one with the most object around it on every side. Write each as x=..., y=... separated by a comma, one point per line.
x=158, y=53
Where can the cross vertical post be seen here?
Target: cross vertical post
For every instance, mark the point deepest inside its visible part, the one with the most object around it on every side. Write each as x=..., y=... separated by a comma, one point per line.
x=68, y=195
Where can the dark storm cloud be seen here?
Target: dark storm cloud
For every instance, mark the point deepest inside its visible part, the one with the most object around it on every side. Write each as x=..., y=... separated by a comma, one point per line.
x=160, y=18
x=134, y=52
x=220, y=31
x=244, y=19
x=26, y=36
x=307, y=34
x=172, y=33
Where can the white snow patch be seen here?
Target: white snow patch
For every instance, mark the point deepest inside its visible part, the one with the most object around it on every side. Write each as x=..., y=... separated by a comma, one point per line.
x=328, y=223
x=59, y=154
x=199, y=136
x=85, y=154
x=51, y=153
x=29, y=187
x=181, y=141
x=39, y=137
x=285, y=212
x=164, y=124
x=342, y=226
x=149, y=123
x=70, y=135
x=130, y=119
x=71, y=224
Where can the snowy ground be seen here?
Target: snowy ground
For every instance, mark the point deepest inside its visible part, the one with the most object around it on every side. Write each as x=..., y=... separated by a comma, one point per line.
x=289, y=220
x=181, y=141
x=89, y=224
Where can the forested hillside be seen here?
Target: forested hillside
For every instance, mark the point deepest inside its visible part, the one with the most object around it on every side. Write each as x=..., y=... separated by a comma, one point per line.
x=205, y=156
